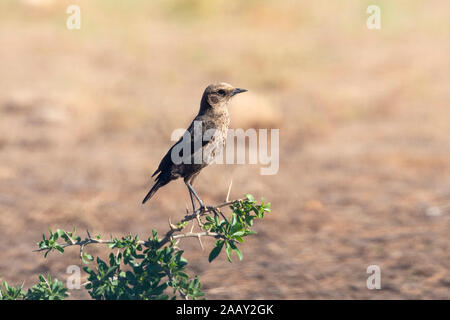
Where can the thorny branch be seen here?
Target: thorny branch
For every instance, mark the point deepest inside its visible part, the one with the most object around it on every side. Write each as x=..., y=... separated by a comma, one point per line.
x=163, y=251
x=173, y=234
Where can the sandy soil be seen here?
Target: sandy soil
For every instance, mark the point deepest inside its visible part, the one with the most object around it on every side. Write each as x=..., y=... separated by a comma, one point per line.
x=364, y=178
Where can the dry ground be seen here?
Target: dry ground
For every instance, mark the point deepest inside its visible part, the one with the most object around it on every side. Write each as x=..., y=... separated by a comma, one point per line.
x=363, y=115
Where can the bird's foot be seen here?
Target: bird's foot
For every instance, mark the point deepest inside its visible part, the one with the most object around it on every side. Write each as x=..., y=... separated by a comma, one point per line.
x=200, y=210
x=204, y=208
x=202, y=205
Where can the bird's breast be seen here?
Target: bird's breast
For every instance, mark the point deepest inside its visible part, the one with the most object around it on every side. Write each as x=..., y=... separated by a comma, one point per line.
x=222, y=125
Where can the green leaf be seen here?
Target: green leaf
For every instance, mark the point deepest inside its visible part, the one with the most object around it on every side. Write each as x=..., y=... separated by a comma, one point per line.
x=238, y=253
x=239, y=239
x=59, y=248
x=228, y=251
x=216, y=251
x=236, y=249
x=238, y=233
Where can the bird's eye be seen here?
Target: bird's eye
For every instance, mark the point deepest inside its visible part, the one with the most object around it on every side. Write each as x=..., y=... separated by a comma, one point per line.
x=221, y=92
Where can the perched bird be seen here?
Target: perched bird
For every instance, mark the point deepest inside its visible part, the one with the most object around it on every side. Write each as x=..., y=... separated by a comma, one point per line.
x=212, y=116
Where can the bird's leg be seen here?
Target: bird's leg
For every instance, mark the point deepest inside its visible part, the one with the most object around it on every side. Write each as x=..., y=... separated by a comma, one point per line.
x=192, y=192
x=192, y=201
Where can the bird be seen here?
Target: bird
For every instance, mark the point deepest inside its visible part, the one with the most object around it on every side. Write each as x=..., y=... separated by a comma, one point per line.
x=213, y=117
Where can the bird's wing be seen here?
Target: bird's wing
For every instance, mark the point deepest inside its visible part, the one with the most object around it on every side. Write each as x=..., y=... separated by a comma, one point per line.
x=194, y=134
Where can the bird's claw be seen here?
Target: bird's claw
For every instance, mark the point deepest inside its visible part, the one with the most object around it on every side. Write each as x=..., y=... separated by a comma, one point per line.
x=204, y=208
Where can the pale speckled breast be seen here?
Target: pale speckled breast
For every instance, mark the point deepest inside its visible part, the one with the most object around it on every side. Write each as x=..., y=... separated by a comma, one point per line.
x=221, y=123
x=225, y=123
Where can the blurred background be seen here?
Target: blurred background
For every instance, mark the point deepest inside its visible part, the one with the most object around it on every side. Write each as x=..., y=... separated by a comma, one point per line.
x=86, y=115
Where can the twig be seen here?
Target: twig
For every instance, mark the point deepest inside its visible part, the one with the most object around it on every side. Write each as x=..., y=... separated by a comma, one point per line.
x=169, y=236
x=172, y=236
x=229, y=190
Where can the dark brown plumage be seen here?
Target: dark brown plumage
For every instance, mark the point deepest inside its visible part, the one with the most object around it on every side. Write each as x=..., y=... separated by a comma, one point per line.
x=213, y=115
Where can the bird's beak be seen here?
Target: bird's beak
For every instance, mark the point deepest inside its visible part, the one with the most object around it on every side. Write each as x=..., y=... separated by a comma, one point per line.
x=238, y=90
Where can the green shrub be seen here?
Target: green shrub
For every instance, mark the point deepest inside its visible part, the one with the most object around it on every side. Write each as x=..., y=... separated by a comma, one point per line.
x=147, y=269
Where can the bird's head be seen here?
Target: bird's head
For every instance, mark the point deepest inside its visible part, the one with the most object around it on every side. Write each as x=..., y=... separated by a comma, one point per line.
x=219, y=94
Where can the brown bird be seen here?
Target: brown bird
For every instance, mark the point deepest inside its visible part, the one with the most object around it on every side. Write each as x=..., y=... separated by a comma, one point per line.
x=212, y=118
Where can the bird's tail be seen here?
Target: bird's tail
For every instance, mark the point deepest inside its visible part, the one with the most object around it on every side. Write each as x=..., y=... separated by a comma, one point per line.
x=152, y=191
